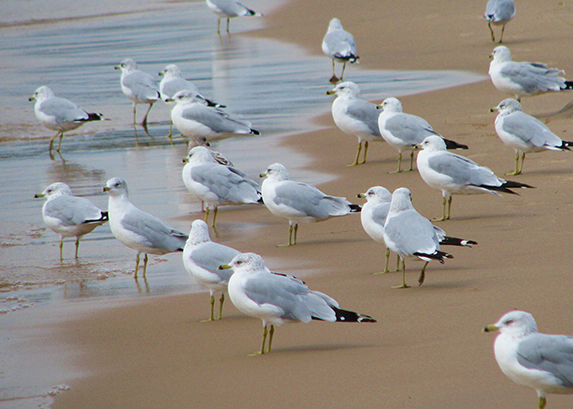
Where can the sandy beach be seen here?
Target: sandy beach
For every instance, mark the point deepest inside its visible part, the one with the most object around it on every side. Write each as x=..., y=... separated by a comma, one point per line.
x=426, y=349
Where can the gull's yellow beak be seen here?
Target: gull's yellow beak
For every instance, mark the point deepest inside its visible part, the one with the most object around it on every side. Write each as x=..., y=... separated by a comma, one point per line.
x=106, y=189
x=330, y=92
x=361, y=195
x=185, y=160
x=490, y=328
x=224, y=267
x=494, y=109
x=263, y=175
x=38, y=195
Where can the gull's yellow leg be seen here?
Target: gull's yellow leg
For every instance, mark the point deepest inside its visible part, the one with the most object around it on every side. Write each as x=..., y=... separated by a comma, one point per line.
x=422, y=274
x=145, y=265
x=77, y=246
x=411, y=161
x=271, y=333
x=215, y=216
x=61, y=248
x=136, y=265
x=365, y=152
x=404, y=285
x=357, y=155
x=221, y=301
x=399, y=164
x=542, y=402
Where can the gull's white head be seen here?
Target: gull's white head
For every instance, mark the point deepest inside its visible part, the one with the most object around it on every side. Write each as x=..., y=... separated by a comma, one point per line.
x=401, y=200
x=276, y=172
x=199, y=233
x=171, y=71
x=501, y=54
x=377, y=195
x=346, y=89
x=247, y=262
x=199, y=154
x=514, y=323
x=508, y=106
x=390, y=105
x=41, y=94
x=433, y=143
x=334, y=24
x=116, y=187
x=127, y=65
x=55, y=190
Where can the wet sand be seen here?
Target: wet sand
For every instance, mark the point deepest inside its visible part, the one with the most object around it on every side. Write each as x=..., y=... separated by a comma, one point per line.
x=426, y=349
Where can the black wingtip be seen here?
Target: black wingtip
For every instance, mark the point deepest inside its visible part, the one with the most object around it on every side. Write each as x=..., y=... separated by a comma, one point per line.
x=454, y=145
x=454, y=241
x=255, y=132
x=568, y=85
x=354, y=208
x=351, y=316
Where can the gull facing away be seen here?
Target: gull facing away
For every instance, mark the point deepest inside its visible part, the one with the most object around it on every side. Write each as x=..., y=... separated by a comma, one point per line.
x=455, y=175
x=298, y=202
x=140, y=87
x=229, y=9
x=217, y=184
x=138, y=230
x=543, y=362
x=194, y=118
x=279, y=299
x=524, y=133
x=405, y=131
x=355, y=117
x=69, y=215
x=202, y=257
x=59, y=114
x=340, y=46
x=499, y=13
x=524, y=79
x=173, y=82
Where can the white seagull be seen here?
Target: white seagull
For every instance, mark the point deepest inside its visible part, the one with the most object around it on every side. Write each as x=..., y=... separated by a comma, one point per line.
x=202, y=257
x=405, y=131
x=279, y=299
x=298, y=202
x=543, y=362
x=229, y=9
x=499, y=13
x=69, y=215
x=355, y=117
x=524, y=79
x=140, y=87
x=138, y=230
x=340, y=46
x=455, y=175
x=524, y=133
x=59, y=114
x=193, y=118
x=217, y=184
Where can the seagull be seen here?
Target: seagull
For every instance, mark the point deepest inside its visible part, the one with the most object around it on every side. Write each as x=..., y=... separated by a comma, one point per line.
x=194, y=118
x=499, y=13
x=217, y=184
x=59, y=114
x=543, y=362
x=405, y=131
x=201, y=257
x=524, y=79
x=355, y=117
x=524, y=133
x=455, y=175
x=340, y=46
x=173, y=82
x=140, y=87
x=298, y=202
x=69, y=215
x=138, y=230
x=279, y=299
x=229, y=9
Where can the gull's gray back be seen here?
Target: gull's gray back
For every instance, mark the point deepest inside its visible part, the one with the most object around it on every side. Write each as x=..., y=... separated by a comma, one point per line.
x=157, y=233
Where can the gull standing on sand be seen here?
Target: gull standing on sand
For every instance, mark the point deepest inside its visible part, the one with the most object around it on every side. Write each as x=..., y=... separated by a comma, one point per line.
x=279, y=299
x=499, y=13
x=59, y=114
x=543, y=362
x=229, y=9
x=355, y=117
x=69, y=215
x=524, y=133
x=455, y=175
x=193, y=118
x=298, y=202
x=202, y=257
x=173, y=82
x=405, y=131
x=524, y=79
x=340, y=46
x=140, y=87
x=138, y=230
x=216, y=184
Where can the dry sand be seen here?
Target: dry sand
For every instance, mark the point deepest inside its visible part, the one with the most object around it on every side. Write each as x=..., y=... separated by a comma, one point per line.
x=426, y=350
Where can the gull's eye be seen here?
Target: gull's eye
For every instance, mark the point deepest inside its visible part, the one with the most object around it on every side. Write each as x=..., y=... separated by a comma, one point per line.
x=508, y=322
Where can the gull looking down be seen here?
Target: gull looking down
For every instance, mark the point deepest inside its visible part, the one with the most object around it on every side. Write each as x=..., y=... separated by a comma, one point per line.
x=543, y=362
x=279, y=299
x=499, y=13
x=355, y=117
x=229, y=9
x=456, y=175
x=69, y=215
x=340, y=46
x=524, y=133
x=298, y=202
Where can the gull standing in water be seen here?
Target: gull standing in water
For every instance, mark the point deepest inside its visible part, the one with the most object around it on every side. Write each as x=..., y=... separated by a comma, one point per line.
x=69, y=215
x=229, y=9
x=499, y=13
x=340, y=46
x=138, y=230
x=355, y=117
x=279, y=299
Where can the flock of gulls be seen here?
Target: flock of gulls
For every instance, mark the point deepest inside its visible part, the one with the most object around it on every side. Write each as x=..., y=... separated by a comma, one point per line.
x=539, y=361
